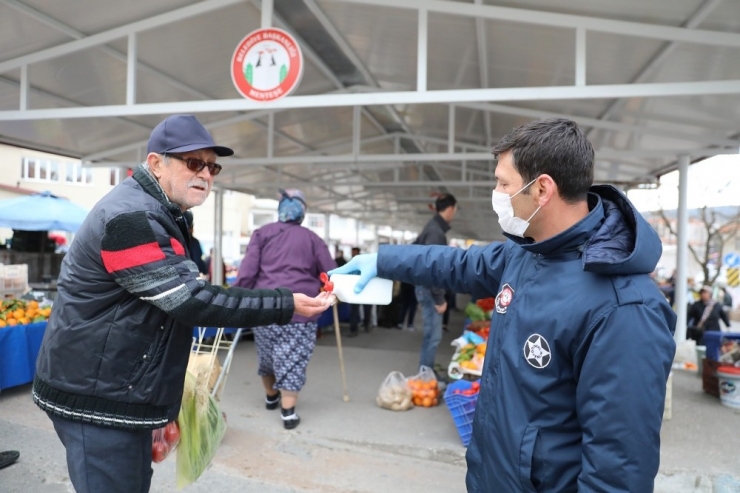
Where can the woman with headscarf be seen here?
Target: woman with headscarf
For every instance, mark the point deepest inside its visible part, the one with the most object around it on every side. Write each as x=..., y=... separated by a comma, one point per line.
x=285, y=254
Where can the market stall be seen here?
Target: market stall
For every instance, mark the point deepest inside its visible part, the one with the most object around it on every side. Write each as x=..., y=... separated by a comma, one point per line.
x=466, y=366
x=19, y=347
x=22, y=326
x=720, y=368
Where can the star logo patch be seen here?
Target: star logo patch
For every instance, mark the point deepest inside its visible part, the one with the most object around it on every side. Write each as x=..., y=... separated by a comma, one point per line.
x=537, y=351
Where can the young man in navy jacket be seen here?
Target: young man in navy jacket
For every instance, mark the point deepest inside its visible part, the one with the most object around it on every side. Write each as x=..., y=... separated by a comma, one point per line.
x=581, y=342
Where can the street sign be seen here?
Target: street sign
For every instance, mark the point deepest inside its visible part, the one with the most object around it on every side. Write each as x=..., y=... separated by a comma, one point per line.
x=733, y=277
x=732, y=259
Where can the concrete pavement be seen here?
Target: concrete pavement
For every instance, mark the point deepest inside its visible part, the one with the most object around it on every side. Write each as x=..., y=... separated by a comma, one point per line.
x=356, y=446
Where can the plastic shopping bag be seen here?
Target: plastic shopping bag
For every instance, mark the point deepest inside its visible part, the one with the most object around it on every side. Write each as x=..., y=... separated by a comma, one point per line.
x=394, y=393
x=164, y=441
x=424, y=387
x=202, y=427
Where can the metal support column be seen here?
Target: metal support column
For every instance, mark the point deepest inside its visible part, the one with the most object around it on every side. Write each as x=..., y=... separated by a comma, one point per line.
x=682, y=251
x=421, y=53
x=217, y=275
x=580, y=56
x=266, y=14
x=327, y=229
x=25, y=85
x=131, y=70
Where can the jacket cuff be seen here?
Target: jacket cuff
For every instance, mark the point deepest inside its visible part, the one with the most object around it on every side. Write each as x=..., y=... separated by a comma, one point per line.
x=287, y=307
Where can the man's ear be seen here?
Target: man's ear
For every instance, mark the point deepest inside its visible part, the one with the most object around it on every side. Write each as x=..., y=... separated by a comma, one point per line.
x=155, y=162
x=545, y=189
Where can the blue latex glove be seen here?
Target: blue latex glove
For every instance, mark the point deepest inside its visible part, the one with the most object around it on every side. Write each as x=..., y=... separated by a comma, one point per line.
x=366, y=265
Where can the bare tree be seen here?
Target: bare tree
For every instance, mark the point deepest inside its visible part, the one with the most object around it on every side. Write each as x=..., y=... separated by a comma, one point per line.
x=720, y=228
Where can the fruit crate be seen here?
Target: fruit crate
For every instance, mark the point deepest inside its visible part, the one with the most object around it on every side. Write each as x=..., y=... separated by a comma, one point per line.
x=462, y=408
x=13, y=280
x=713, y=340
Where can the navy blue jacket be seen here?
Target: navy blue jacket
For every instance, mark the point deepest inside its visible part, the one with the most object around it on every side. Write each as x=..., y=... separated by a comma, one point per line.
x=579, y=353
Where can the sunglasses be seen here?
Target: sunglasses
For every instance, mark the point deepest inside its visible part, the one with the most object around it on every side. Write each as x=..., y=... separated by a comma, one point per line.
x=197, y=165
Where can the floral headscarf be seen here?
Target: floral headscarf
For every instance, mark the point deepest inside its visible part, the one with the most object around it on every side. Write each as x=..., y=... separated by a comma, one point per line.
x=292, y=206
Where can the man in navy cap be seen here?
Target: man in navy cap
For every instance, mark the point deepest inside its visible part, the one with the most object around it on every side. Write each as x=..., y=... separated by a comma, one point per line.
x=113, y=359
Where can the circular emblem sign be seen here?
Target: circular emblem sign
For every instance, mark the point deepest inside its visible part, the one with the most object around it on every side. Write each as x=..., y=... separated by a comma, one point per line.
x=267, y=65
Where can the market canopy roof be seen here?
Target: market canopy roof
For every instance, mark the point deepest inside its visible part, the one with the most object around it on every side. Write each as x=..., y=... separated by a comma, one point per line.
x=41, y=212
x=399, y=98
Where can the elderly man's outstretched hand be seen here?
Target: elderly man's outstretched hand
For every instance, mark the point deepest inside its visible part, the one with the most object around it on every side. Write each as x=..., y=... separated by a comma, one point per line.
x=366, y=265
x=308, y=307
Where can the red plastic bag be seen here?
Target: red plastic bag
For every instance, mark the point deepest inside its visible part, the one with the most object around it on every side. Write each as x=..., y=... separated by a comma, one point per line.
x=164, y=441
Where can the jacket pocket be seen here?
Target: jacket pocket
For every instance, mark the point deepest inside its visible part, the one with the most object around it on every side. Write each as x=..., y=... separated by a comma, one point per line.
x=526, y=458
x=144, y=360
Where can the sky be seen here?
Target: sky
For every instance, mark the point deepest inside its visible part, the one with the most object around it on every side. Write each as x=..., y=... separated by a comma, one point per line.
x=713, y=182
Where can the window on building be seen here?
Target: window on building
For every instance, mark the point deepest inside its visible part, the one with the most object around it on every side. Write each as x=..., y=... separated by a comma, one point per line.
x=70, y=173
x=262, y=218
x=115, y=176
x=54, y=170
x=76, y=173
x=315, y=221
x=40, y=169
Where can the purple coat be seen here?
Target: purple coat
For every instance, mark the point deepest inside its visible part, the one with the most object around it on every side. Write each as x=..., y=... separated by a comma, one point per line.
x=285, y=255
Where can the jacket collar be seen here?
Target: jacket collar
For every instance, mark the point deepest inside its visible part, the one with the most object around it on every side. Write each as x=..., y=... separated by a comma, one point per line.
x=150, y=185
x=573, y=238
x=444, y=225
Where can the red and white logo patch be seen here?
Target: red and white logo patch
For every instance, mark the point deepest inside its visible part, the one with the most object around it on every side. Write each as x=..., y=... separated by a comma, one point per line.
x=267, y=65
x=504, y=298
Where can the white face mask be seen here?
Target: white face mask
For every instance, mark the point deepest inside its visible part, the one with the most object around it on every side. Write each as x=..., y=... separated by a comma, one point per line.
x=511, y=224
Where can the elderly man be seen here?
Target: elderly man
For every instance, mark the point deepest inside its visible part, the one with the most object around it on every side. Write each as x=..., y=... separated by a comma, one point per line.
x=113, y=359
x=581, y=345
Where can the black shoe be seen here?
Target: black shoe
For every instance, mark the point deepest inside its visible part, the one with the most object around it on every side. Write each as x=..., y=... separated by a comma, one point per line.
x=272, y=401
x=353, y=334
x=8, y=457
x=290, y=418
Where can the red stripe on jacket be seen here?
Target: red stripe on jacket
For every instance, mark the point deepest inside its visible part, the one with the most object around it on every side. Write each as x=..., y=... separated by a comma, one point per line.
x=132, y=257
x=177, y=247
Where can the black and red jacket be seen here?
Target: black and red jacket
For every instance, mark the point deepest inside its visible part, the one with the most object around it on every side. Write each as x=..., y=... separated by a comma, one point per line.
x=117, y=343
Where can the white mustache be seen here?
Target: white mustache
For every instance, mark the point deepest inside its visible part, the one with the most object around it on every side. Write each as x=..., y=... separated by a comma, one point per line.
x=199, y=183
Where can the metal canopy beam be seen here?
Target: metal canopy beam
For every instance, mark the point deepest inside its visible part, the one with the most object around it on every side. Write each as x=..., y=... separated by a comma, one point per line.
x=602, y=124
x=384, y=98
x=664, y=52
x=542, y=18
x=116, y=33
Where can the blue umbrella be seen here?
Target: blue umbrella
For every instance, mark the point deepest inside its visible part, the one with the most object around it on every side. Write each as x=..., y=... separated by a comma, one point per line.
x=41, y=212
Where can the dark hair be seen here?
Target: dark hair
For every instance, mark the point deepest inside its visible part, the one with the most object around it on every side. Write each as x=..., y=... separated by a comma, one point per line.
x=556, y=147
x=445, y=201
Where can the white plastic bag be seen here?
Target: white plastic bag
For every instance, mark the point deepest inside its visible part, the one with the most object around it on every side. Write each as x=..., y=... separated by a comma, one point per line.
x=394, y=394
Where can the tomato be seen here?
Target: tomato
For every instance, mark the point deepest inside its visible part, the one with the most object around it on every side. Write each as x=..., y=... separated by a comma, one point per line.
x=159, y=451
x=172, y=433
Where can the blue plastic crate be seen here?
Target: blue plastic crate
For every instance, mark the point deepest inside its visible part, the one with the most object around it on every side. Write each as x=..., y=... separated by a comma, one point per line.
x=713, y=341
x=462, y=408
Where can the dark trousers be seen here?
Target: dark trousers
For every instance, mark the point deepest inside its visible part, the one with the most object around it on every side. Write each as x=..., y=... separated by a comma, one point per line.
x=450, y=299
x=408, y=306
x=106, y=459
x=354, y=317
x=695, y=333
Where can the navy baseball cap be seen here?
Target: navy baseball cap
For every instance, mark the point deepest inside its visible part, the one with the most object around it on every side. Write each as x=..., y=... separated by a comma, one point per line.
x=182, y=133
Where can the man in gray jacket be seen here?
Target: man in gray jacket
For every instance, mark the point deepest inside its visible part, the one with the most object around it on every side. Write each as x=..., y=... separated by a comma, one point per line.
x=432, y=300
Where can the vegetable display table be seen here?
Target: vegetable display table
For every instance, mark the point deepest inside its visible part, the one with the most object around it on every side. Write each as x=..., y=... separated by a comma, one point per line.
x=19, y=347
